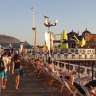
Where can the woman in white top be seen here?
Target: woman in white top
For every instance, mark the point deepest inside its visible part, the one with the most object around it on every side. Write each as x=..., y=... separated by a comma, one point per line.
x=5, y=60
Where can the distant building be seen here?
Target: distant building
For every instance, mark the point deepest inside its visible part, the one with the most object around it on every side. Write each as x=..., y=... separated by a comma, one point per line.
x=89, y=37
x=71, y=34
x=72, y=43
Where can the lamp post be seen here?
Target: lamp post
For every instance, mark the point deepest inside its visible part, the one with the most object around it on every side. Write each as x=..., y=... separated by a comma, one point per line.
x=48, y=24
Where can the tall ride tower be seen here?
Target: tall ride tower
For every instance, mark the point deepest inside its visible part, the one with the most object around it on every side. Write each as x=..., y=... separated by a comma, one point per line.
x=33, y=27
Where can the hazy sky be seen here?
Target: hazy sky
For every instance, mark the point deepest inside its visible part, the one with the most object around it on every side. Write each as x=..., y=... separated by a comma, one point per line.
x=16, y=17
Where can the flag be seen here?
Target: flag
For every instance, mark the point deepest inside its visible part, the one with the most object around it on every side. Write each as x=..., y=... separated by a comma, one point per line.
x=47, y=40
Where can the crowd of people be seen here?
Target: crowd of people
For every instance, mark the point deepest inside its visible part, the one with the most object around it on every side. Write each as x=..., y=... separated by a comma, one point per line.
x=10, y=63
x=67, y=84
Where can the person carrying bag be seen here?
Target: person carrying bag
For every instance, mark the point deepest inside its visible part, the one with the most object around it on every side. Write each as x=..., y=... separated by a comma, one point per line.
x=2, y=67
x=21, y=70
x=1, y=73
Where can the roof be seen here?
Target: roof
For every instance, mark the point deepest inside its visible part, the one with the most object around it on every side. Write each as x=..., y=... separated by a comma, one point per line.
x=86, y=31
x=27, y=45
x=72, y=33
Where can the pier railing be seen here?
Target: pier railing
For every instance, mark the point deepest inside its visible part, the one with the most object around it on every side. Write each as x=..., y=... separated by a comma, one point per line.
x=78, y=56
x=71, y=53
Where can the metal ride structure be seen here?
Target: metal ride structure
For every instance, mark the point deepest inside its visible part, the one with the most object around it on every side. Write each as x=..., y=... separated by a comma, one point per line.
x=63, y=40
x=79, y=43
x=34, y=27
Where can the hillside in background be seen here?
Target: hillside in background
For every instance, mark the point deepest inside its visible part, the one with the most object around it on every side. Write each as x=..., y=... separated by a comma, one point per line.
x=8, y=39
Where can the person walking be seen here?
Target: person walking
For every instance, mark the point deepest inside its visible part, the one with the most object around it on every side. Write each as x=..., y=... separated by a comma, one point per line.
x=16, y=68
x=10, y=58
x=1, y=72
x=4, y=79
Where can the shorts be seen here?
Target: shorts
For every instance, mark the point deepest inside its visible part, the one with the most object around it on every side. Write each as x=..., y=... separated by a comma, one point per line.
x=17, y=72
x=3, y=74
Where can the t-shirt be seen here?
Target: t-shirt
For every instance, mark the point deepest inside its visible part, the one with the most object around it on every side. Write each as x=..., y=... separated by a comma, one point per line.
x=16, y=56
x=5, y=59
x=17, y=65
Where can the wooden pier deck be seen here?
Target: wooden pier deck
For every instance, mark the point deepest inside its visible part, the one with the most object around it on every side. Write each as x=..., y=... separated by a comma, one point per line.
x=29, y=86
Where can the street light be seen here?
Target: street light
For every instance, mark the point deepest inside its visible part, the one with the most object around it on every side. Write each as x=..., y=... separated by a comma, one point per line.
x=47, y=23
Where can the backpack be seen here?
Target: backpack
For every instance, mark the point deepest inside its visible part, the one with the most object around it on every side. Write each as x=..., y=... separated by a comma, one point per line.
x=2, y=67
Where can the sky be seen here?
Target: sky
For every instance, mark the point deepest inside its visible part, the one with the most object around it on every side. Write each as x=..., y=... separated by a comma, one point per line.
x=16, y=17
